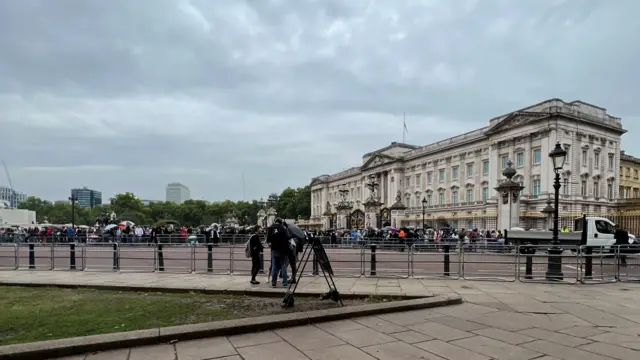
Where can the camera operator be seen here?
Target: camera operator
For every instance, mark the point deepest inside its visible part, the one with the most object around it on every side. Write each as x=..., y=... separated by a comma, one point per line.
x=278, y=239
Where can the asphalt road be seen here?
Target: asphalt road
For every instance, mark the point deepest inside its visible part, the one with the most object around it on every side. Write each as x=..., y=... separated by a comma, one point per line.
x=345, y=261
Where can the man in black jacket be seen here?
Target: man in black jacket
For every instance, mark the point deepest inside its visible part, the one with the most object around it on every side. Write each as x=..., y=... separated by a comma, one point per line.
x=278, y=239
x=256, y=248
x=622, y=241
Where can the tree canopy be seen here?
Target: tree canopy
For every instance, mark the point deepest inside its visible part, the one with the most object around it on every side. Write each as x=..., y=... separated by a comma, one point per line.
x=290, y=204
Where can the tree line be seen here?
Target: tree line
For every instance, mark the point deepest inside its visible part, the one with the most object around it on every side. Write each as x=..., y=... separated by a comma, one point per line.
x=290, y=204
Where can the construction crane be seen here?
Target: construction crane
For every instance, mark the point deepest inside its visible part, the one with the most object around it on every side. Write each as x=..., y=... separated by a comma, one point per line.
x=12, y=193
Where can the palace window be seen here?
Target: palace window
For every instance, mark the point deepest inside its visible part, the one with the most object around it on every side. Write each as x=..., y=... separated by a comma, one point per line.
x=596, y=160
x=469, y=195
x=485, y=167
x=596, y=189
x=429, y=178
x=505, y=161
x=469, y=170
x=536, y=187
x=537, y=156
x=485, y=193
x=441, y=198
x=610, y=191
x=418, y=180
x=583, y=188
x=610, y=161
x=565, y=186
x=454, y=197
x=520, y=159
x=429, y=199
x=441, y=175
x=584, y=157
x=455, y=172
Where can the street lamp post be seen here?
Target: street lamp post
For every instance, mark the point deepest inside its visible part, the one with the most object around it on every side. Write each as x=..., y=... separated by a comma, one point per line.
x=424, y=206
x=73, y=198
x=554, y=267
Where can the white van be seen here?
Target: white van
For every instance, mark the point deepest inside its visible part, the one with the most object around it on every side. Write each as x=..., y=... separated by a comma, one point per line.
x=600, y=232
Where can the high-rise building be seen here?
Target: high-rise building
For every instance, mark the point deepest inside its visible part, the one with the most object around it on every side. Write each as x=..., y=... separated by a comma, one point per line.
x=87, y=197
x=177, y=193
x=11, y=197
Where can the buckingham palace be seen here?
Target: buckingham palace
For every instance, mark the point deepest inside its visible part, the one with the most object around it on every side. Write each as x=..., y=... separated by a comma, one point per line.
x=453, y=180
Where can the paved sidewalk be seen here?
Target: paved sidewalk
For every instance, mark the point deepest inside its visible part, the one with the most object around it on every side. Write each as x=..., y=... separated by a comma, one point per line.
x=499, y=321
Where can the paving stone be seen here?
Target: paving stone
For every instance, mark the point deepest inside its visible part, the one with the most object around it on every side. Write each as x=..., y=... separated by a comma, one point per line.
x=340, y=325
x=411, y=337
x=399, y=351
x=562, y=352
x=495, y=349
x=380, y=325
x=504, y=336
x=628, y=341
x=340, y=352
x=449, y=351
x=614, y=351
x=562, y=339
x=154, y=352
x=413, y=317
x=79, y=357
x=120, y=354
x=440, y=332
x=465, y=311
x=204, y=348
x=308, y=337
x=459, y=324
x=505, y=320
x=272, y=351
x=251, y=339
x=581, y=331
x=364, y=337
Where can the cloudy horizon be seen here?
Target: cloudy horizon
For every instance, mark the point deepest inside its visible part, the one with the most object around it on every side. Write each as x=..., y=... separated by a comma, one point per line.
x=128, y=95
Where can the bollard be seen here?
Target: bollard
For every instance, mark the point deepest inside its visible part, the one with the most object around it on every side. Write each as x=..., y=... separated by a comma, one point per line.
x=588, y=262
x=528, y=266
x=72, y=256
x=447, y=260
x=160, y=258
x=115, y=257
x=373, y=260
x=210, y=258
x=32, y=256
x=261, y=271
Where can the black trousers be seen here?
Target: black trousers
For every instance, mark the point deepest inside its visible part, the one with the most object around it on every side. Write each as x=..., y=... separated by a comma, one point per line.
x=255, y=265
x=293, y=263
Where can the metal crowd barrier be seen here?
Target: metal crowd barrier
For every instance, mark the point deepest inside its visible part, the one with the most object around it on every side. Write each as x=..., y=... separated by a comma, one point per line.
x=441, y=260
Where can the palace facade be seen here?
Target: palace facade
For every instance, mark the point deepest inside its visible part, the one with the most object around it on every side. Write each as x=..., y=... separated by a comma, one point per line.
x=456, y=178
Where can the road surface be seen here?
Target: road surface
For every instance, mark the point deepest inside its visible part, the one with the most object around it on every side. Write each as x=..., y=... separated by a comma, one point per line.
x=390, y=261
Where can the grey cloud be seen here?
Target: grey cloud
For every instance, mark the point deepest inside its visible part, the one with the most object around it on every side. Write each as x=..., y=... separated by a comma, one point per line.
x=202, y=91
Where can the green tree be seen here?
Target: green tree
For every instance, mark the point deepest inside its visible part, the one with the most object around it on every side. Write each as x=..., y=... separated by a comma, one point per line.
x=290, y=204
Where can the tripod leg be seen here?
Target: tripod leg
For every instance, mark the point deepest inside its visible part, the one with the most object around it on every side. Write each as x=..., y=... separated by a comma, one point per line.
x=288, y=298
x=332, y=285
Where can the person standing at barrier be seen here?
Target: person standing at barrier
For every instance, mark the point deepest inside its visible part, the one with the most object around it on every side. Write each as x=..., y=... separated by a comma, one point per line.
x=256, y=248
x=622, y=241
x=278, y=239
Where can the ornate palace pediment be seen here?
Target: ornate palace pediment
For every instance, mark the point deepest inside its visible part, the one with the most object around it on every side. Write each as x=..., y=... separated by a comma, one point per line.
x=515, y=120
x=377, y=160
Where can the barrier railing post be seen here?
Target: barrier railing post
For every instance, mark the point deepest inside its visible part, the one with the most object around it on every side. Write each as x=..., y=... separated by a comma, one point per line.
x=209, y=257
x=32, y=256
x=447, y=260
x=588, y=262
x=115, y=257
x=72, y=256
x=373, y=260
x=261, y=271
x=160, y=258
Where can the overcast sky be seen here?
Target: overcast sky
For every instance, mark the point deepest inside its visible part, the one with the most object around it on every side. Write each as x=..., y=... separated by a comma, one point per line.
x=129, y=95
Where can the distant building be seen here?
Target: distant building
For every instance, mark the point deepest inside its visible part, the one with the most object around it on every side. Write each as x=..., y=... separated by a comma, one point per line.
x=629, y=178
x=87, y=197
x=146, y=202
x=11, y=197
x=177, y=193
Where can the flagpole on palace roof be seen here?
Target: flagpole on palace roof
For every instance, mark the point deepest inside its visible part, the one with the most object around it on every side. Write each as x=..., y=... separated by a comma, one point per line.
x=404, y=125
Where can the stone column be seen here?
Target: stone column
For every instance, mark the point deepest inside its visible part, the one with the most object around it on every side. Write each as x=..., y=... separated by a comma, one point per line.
x=509, y=200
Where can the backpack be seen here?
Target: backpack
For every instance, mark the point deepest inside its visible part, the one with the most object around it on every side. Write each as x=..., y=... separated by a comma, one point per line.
x=247, y=248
